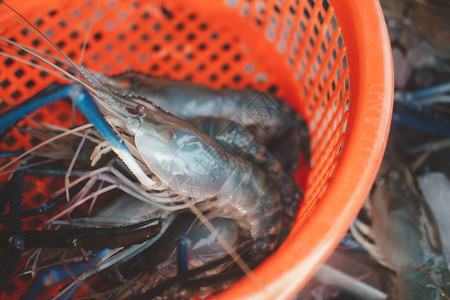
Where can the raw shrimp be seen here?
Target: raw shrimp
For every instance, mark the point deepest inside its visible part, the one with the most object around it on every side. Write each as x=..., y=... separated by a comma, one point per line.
x=274, y=123
x=403, y=223
x=168, y=155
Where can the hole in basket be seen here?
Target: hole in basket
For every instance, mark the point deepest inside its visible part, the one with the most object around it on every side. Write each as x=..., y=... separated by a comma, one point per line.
x=62, y=44
x=189, y=56
x=74, y=34
x=16, y=95
x=270, y=34
x=344, y=62
x=333, y=23
x=276, y=8
x=177, y=67
x=75, y=14
x=245, y=11
x=272, y=89
x=325, y=5
x=132, y=48
x=36, y=42
x=260, y=7
x=156, y=26
x=134, y=27
x=10, y=141
x=43, y=74
x=261, y=77
x=49, y=33
x=143, y=58
x=303, y=28
x=319, y=59
x=7, y=62
x=340, y=42
x=306, y=13
x=249, y=68
x=166, y=13
x=62, y=23
x=292, y=10
x=98, y=36
x=63, y=117
x=231, y=3
x=10, y=288
x=25, y=31
x=5, y=83
x=191, y=36
x=38, y=22
x=52, y=13
x=213, y=77
x=328, y=35
x=180, y=26
x=19, y=73
x=320, y=18
x=168, y=37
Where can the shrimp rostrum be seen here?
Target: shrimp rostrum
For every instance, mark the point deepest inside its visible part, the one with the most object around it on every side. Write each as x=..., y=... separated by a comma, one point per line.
x=191, y=163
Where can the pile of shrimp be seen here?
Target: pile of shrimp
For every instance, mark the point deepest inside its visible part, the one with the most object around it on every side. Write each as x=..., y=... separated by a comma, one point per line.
x=159, y=188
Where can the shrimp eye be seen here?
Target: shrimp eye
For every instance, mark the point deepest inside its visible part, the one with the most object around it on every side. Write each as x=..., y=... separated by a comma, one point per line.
x=141, y=110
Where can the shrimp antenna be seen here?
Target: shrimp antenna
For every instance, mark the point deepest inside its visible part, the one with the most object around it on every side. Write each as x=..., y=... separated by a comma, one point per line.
x=86, y=37
x=42, y=59
x=30, y=25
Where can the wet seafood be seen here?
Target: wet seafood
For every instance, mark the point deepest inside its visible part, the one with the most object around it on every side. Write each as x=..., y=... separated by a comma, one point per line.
x=404, y=233
x=177, y=167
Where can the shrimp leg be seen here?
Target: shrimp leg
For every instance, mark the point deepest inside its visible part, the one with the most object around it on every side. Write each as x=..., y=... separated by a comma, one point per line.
x=61, y=274
x=15, y=232
x=50, y=204
x=189, y=283
x=90, y=238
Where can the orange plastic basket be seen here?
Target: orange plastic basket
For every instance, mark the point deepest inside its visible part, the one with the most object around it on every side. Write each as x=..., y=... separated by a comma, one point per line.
x=330, y=59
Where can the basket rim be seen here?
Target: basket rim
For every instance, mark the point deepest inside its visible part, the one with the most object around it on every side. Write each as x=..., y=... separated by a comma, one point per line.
x=371, y=76
x=368, y=49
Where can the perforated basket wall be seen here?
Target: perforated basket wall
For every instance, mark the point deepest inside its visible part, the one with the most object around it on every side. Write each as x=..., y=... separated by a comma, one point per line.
x=329, y=59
